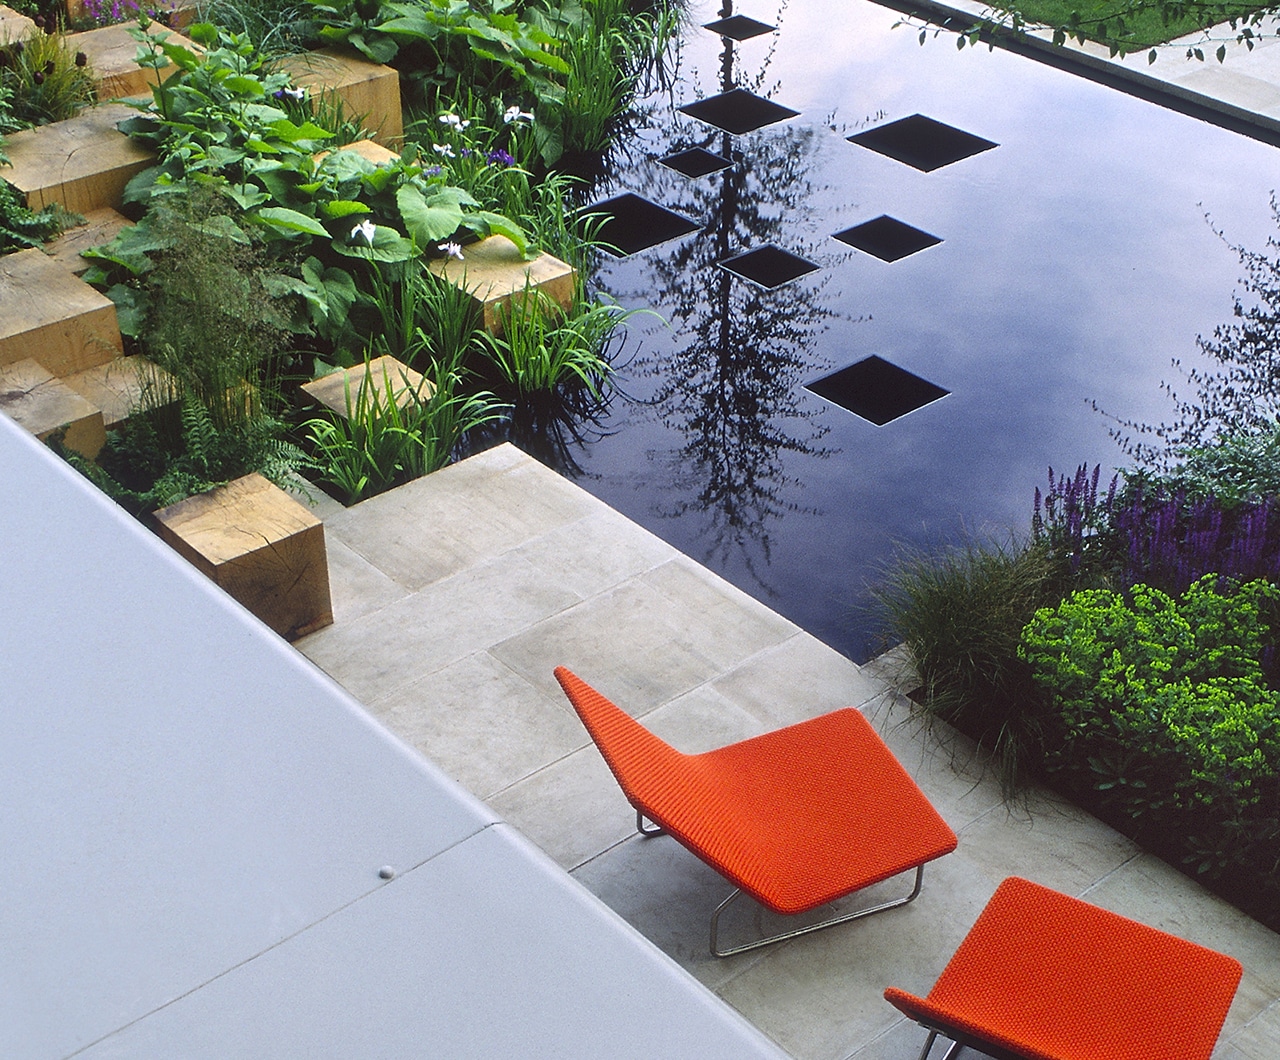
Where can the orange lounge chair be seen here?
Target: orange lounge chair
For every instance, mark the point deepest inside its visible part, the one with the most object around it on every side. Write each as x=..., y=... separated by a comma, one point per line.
x=795, y=818
x=1042, y=976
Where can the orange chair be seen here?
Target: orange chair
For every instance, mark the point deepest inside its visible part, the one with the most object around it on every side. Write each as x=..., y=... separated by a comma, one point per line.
x=1042, y=976
x=795, y=818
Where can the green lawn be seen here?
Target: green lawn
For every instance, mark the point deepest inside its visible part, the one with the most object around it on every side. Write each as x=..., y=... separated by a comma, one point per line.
x=1132, y=24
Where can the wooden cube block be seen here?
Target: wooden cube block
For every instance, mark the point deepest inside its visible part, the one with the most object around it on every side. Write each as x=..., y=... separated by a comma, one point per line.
x=112, y=52
x=82, y=163
x=406, y=385
x=261, y=546
x=494, y=274
x=100, y=226
x=43, y=404
x=369, y=92
x=119, y=387
x=366, y=149
x=52, y=317
x=14, y=26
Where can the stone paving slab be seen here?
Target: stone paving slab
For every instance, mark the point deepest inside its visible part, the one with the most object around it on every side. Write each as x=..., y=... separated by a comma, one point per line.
x=457, y=594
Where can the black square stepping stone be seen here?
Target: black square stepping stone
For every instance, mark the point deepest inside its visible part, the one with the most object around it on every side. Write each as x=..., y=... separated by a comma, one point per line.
x=922, y=142
x=739, y=27
x=695, y=162
x=769, y=266
x=634, y=224
x=887, y=238
x=737, y=111
x=876, y=390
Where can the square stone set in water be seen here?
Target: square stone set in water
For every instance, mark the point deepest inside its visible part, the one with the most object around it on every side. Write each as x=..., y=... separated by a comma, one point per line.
x=872, y=388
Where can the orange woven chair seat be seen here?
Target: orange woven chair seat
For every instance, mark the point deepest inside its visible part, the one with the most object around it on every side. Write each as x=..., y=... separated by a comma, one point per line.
x=795, y=818
x=1043, y=976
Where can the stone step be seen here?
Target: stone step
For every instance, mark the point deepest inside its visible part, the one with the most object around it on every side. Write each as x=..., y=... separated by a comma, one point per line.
x=369, y=92
x=13, y=25
x=53, y=317
x=100, y=226
x=120, y=386
x=41, y=404
x=82, y=163
x=494, y=274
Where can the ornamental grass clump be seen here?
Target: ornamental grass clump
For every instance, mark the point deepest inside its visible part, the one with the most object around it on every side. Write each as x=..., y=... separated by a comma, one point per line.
x=961, y=613
x=46, y=77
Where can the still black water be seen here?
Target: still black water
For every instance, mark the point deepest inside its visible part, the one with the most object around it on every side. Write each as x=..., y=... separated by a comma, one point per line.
x=1075, y=263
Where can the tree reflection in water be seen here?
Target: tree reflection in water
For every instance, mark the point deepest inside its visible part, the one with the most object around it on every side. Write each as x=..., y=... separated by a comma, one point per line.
x=729, y=378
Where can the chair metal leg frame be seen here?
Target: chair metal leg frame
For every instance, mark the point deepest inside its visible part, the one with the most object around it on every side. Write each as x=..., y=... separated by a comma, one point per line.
x=952, y=1049
x=655, y=830
x=715, y=921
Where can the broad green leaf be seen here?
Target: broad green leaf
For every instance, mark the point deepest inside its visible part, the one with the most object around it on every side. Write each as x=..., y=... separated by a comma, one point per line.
x=427, y=222
x=497, y=225
x=131, y=308
x=388, y=245
x=343, y=208
x=246, y=196
x=243, y=86
x=285, y=220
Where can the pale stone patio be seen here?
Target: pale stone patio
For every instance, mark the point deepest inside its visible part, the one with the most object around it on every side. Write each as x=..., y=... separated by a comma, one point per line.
x=456, y=595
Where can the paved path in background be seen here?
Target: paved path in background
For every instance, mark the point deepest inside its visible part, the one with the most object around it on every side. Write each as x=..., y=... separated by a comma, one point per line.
x=457, y=594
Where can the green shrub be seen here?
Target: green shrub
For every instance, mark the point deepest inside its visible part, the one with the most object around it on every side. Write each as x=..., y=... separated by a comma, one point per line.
x=961, y=614
x=22, y=228
x=1162, y=703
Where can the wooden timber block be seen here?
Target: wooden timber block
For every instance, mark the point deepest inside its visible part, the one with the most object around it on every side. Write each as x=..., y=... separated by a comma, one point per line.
x=112, y=52
x=261, y=546
x=122, y=386
x=100, y=226
x=494, y=274
x=43, y=404
x=14, y=26
x=407, y=385
x=370, y=93
x=52, y=317
x=82, y=163
x=366, y=149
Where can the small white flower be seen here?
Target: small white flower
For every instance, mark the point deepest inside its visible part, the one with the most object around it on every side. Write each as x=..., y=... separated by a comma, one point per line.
x=514, y=113
x=451, y=250
x=443, y=149
x=365, y=229
x=454, y=121
x=295, y=93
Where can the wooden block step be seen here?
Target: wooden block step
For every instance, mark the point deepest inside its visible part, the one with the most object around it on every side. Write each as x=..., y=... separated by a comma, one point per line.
x=119, y=387
x=262, y=546
x=100, y=226
x=494, y=274
x=407, y=385
x=366, y=149
x=14, y=26
x=42, y=404
x=112, y=52
x=370, y=93
x=82, y=163
x=52, y=317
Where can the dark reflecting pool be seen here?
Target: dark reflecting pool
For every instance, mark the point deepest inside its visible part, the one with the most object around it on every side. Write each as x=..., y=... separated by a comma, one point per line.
x=1067, y=260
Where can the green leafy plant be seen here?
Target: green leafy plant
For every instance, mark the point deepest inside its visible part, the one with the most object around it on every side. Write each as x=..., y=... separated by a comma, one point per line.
x=1175, y=687
x=441, y=42
x=45, y=78
x=391, y=434
x=21, y=227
